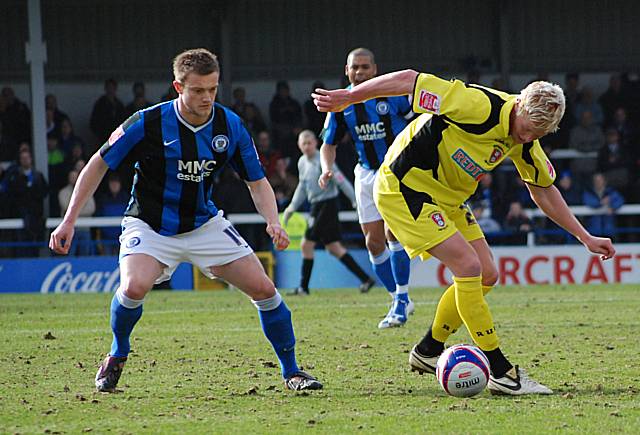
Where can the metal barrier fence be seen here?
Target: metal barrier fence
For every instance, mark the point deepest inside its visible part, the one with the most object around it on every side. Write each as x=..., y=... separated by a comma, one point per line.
x=345, y=216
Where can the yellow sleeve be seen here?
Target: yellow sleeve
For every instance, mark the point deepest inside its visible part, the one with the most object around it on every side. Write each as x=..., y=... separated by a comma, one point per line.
x=533, y=164
x=452, y=99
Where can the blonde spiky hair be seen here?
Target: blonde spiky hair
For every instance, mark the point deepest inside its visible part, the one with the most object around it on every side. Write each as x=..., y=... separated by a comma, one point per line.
x=543, y=103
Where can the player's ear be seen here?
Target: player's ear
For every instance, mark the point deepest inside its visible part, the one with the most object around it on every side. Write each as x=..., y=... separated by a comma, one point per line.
x=177, y=86
x=346, y=70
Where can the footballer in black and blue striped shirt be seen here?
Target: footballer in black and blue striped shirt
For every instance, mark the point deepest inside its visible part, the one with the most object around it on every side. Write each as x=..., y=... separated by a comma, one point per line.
x=372, y=125
x=178, y=146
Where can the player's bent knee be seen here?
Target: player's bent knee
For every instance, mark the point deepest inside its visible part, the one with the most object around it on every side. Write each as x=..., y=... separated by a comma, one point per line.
x=375, y=246
x=134, y=289
x=490, y=277
x=265, y=290
x=469, y=267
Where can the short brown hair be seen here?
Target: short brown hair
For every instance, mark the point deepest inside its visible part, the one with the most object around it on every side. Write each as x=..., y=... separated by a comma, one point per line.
x=198, y=60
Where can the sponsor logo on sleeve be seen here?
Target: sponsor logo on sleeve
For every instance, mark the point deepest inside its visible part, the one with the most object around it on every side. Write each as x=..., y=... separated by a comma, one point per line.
x=117, y=134
x=429, y=101
x=552, y=172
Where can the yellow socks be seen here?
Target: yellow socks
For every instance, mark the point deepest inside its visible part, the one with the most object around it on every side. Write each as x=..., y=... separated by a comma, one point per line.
x=447, y=319
x=474, y=311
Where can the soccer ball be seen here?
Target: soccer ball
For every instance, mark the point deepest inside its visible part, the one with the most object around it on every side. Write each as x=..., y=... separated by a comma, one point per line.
x=462, y=370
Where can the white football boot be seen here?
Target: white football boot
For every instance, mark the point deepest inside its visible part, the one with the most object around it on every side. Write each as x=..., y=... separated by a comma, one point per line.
x=398, y=314
x=516, y=382
x=422, y=364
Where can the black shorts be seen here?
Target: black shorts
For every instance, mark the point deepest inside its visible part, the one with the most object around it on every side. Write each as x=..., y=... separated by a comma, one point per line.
x=323, y=223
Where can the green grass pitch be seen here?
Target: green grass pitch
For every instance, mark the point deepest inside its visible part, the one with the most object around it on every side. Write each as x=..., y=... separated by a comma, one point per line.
x=200, y=364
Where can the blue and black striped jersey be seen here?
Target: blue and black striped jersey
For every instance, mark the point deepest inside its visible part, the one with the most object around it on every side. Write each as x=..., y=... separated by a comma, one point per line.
x=373, y=125
x=175, y=163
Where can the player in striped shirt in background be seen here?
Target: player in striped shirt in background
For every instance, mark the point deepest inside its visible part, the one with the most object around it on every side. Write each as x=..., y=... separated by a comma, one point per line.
x=373, y=125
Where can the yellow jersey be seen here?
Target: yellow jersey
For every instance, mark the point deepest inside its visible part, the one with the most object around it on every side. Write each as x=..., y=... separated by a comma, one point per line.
x=462, y=134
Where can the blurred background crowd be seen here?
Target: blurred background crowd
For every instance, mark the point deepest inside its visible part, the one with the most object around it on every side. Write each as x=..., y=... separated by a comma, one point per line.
x=596, y=154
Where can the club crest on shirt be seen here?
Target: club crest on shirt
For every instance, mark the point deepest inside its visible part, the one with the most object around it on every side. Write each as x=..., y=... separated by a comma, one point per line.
x=496, y=155
x=382, y=107
x=438, y=219
x=220, y=143
x=429, y=101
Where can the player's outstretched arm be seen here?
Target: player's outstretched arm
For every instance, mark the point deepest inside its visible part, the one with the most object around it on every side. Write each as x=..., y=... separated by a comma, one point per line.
x=265, y=202
x=87, y=183
x=551, y=202
x=387, y=85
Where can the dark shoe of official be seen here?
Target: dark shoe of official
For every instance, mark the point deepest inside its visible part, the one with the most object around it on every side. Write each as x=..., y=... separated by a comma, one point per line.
x=422, y=363
x=366, y=286
x=109, y=373
x=302, y=381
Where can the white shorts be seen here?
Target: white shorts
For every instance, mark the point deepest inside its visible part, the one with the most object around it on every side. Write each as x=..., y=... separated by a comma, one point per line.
x=213, y=244
x=364, y=181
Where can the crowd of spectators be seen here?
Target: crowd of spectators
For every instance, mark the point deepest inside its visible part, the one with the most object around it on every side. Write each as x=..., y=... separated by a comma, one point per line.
x=596, y=154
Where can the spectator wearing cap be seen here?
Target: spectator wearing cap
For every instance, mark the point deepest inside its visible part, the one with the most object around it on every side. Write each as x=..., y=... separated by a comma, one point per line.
x=570, y=191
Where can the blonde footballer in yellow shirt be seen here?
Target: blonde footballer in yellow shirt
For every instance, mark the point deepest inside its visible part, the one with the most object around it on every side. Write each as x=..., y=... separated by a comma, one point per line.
x=430, y=171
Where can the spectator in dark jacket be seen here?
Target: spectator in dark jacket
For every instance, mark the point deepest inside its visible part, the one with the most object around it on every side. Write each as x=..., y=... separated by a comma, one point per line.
x=108, y=112
x=518, y=223
x=605, y=201
x=26, y=190
x=286, y=120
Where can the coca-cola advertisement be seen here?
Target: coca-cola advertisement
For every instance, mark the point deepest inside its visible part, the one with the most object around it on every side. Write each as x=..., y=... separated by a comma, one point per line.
x=72, y=275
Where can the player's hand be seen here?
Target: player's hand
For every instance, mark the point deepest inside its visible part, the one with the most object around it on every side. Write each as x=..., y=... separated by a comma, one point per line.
x=323, y=181
x=278, y=235
x=600, y=245
x=61, y=238
x=331, y=101
x=286, y=215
